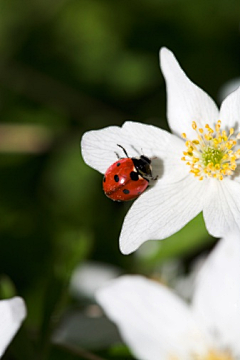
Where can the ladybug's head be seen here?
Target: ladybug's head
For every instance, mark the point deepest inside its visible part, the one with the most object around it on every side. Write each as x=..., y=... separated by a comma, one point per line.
x=145, y=159
x=143, y=167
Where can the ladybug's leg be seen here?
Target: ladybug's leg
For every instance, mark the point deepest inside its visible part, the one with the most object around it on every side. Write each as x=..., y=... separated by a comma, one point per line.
x=117, y=155
x=124, y=150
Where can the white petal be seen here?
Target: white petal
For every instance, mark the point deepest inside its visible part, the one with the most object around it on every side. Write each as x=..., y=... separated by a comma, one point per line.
x=161, y=211
x=217, y=295
x=12, y=313
x=186, y=102
x=222, y=209
x=99, y=148
x=230, y=111
x=154, y=322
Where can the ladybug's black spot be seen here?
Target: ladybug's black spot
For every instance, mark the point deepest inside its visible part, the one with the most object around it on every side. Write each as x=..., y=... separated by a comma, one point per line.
x=126, y=191
x=134, y=175
x=118, y=164
x=116, y=178
x=104, y=179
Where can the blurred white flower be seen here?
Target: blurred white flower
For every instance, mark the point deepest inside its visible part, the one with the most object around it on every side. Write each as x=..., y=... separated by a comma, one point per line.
x=184, y=284
x=195, y=165
x=90, y=276
x=156, y=324
x=12, y=313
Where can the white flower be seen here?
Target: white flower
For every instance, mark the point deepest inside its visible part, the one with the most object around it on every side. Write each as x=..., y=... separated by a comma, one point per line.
x=90, y=276
x=195, y=164
x=158, y=325
x=12, y=313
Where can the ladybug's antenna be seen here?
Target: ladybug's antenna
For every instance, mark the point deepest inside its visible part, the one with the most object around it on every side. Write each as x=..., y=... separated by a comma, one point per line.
x=124, y=150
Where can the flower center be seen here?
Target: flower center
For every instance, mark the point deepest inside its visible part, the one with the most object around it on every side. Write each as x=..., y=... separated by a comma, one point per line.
x=211, y=355
x=215, y=355
x=211, y=153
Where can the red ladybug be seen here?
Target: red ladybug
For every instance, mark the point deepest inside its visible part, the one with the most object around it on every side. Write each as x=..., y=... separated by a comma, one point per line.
x=127, y=178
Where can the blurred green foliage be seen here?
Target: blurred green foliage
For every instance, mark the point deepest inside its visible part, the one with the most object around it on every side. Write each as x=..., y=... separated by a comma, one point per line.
x=68, y=66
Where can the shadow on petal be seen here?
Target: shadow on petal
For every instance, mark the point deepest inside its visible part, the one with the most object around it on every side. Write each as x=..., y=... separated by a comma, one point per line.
x=157, y=170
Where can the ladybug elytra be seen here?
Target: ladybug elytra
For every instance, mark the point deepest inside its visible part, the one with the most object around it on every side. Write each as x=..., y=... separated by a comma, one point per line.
x=127, y=178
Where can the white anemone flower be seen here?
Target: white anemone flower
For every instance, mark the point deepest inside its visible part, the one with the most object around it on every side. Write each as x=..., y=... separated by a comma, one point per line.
x=12, y=313
x=158, y=325
x=89, y=276
x=196, y=165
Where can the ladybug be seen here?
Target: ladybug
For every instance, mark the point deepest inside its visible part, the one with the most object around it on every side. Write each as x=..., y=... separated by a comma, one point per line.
x=127, y=178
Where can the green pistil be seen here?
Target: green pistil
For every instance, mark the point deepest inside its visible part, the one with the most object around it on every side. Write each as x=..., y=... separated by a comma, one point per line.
x=212, y=155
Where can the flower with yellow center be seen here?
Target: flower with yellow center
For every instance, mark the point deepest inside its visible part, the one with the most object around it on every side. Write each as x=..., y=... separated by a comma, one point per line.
x=211, y=155
x=210, y=355
x=216, y=355
x=196, y=166
x=158, y=325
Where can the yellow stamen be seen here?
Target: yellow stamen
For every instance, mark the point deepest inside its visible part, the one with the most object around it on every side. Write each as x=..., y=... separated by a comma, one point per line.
x=210, y=355
x=211, y=154
x=215, y=355
x=194, y=125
